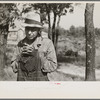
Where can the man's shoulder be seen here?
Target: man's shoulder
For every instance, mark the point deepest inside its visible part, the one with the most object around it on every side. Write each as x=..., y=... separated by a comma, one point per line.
x=47, y=40
x=44, y=34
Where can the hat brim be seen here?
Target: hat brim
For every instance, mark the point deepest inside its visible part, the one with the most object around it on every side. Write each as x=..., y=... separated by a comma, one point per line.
x=31, y=25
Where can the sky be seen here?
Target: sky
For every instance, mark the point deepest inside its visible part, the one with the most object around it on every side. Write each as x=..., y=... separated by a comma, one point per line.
x=77, y=17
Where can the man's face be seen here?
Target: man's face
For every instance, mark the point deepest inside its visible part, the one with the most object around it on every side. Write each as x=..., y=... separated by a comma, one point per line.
x=31, y=32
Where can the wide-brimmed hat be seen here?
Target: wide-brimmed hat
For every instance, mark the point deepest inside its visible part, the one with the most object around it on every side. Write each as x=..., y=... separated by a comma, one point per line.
x=32, y=20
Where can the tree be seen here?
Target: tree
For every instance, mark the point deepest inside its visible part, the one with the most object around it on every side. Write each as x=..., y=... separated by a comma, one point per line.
x=6, y=17
x=72, y=30
x=90, y=43
x=57, y=9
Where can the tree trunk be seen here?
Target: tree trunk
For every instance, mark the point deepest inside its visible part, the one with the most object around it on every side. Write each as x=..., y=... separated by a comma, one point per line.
x=90, y=43
x=49, y=28
x=3, y=43
x=41, y=16
x=2, y=56
x=54, y=31
x=49, y=21
x=57, y=32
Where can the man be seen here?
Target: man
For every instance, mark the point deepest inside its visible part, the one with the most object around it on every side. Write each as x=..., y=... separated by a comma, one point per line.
x=35, y=56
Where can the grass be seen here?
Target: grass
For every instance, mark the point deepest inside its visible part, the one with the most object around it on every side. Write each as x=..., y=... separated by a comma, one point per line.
x=79, y=61
x=61, y=76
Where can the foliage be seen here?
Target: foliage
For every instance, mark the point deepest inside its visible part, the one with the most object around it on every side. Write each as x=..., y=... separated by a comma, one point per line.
x=8, y=13
x=97, y=32
x=63, y=32
x=57, y=8
x=72, y=31
x=76, y=32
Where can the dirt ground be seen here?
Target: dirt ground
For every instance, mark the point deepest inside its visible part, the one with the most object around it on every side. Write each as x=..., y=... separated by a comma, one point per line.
x=65, y=72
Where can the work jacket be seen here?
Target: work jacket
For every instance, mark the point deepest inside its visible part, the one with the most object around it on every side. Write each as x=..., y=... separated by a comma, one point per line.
x=46, y=54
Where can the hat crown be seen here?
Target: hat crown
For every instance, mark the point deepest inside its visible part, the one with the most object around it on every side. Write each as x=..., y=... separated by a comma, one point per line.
x=33, y=16
x=32, y=19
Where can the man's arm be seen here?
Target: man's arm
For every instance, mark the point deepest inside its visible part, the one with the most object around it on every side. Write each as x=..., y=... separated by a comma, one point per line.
x=14, y=60
x=49, y=61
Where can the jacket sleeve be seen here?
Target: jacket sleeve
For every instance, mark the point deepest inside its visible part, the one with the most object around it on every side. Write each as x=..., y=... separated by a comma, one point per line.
x=17, y=52
x=49, y=61
x=16, y=55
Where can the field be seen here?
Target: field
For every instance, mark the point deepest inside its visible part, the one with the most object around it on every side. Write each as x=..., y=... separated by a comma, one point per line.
x=74, y=64
x=71, y=60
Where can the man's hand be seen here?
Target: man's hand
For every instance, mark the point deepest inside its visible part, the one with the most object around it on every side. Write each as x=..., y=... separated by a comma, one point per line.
x=14, y=66
x=27, y=49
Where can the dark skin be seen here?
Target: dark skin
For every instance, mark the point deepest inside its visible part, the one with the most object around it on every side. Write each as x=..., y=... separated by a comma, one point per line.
x=31, y=35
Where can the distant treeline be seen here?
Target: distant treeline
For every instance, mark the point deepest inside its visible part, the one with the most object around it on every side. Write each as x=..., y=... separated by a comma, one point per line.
x=75, y=31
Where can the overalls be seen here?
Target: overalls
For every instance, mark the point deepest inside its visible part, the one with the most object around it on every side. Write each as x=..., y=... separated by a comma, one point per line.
x=29, y=68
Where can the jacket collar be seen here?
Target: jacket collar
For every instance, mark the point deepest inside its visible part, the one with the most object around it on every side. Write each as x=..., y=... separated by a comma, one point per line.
x=37, y=42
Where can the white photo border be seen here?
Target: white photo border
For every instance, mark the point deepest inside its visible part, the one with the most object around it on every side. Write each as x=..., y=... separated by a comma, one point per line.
x=49, y=90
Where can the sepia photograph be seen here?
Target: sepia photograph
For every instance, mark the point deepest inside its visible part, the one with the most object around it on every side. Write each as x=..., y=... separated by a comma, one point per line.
x=49, y=42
